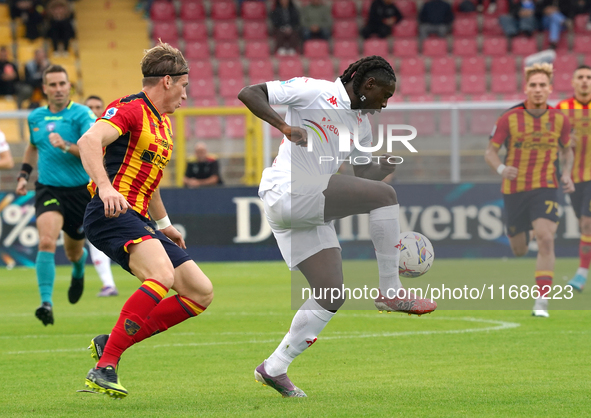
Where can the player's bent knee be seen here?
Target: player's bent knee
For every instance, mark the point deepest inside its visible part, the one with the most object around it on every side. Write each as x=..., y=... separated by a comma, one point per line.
x=47, y=244
x=519, y=250
x=385, y=194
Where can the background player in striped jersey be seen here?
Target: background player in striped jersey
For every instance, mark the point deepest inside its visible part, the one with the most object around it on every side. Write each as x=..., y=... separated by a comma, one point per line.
x=579, y=114
x=60, y=193
x=136, y=135
x=533, y=134
x=101, y=262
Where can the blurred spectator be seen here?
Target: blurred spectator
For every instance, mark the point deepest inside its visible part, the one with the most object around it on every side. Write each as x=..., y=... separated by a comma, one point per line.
x=521, y=18
x=6, y=161
x=316, y=20
x=31, y=14
x=286, y=24
x=553, y=18
x=8, y=74
x=31, y=89
x=203, y=172
x=95, y=104
x=60, y=28
x=383, y=15
x=435, y=18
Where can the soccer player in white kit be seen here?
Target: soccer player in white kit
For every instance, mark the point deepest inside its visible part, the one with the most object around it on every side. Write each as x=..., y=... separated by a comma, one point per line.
x=302, y=197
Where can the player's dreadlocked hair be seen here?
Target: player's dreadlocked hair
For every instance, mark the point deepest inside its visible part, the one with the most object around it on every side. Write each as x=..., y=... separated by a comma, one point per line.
x=361, y=70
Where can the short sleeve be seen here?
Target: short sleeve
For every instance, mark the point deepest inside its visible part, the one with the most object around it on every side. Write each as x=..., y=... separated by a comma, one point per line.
x=85, y=120
x=565, y=133
x=122, y=116
x=500, y=132
x=299, y=91
x=31, y=136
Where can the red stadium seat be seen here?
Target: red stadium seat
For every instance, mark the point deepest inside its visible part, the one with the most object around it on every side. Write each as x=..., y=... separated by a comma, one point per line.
x=423, y=120
x=473, y=84
x=316, y=49
x=406, y=28
x=205, y=102
x=445, y=117
x=230, y=87
x=191, y=11
x=473, y=65
x=194, y=31
x=443, y=84
x=208, y=127
x=290, y=68
x=261, y=69
x=434, y=47
x=254, y=10
x=483, y=121
x=524, y=46
x=232, y=102
x=412, y=66
x=345, y=29
x=581, y=23
x=222, y=10
x=235, y=127
x=200, y=69
x=562, y=46
x=365, y=6
x=255, y=30
x=514, y=97
x=344, y=9
x=230, y=68
x=322, y=69
x=408, y=8
x=227, y=50
x=582, y=44
x=504, y=83
x=465, y=47
x=203, y=88
x=486, y=97
x=406, y=48
x=562, y=82
x=443, y=66
x=494, y=46
x=162, y=11
x=257, y=49
x=343, y=64
x=375, y=47
x=420, y=98
x=502, y=8
x=196, y=50
x=225, y=31
x=411, y=84
x=465, y=27
x=503, y=65
x=348, y=49
x=168, y=32
x=566, y=63
x=491, y=26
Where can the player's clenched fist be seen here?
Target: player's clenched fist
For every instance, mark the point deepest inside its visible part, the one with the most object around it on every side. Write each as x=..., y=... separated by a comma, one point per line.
x=295, y=134
x=115, y=203
x=509, y=173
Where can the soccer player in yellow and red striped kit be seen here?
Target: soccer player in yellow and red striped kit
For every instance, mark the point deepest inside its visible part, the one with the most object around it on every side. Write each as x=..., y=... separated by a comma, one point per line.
x=578, y=110
x=533, y=134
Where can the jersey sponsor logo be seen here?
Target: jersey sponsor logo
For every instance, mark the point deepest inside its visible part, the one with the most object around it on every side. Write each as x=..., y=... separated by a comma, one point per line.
x=310, y=342
x=53, y=117
x=153, y=158
x=534, y=146
x=316, y=128
x=110, y=113
x=164, y=142
x=333, y=101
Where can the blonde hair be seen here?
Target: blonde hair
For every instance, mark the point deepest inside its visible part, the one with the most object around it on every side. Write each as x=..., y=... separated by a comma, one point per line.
x=162, y=60
x=539, y=68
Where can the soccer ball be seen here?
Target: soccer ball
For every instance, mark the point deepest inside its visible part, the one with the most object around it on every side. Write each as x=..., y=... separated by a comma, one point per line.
x=416, y=254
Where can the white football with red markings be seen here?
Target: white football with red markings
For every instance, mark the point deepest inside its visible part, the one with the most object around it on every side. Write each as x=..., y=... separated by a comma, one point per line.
x=416, y=254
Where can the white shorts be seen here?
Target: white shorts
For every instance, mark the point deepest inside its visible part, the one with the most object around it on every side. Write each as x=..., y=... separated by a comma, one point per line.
x=297, y=221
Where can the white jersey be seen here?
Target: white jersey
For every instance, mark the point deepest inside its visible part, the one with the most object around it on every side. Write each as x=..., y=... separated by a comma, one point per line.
x=3, y=143
x=314, y=105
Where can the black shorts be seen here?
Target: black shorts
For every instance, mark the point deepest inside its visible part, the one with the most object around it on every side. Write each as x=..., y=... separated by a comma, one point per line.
x=113, y=235
x=521, y=209
x=580, y=199
x=69, y=201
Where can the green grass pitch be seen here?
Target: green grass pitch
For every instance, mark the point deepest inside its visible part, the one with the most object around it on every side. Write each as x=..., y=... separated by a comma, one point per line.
x=452, y=363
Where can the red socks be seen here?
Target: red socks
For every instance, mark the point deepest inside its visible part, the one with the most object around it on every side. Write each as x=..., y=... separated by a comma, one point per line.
x=544, y=281
x=132, y=320
x=585, y=251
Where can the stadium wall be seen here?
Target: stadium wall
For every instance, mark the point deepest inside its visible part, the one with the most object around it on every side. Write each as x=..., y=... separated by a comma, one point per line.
x=227, y=224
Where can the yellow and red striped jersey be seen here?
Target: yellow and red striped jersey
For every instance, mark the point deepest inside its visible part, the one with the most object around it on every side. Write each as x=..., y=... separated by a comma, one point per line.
x=579, y=116
x=532, y=144
x=134, y=161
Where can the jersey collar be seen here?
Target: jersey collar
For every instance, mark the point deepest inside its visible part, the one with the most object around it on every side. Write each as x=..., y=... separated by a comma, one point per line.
x=151, y=105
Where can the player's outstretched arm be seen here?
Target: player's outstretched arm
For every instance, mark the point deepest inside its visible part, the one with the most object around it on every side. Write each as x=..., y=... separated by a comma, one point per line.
x=491, y=156
x=158, y=213
x=29, y=160
x=91, y=153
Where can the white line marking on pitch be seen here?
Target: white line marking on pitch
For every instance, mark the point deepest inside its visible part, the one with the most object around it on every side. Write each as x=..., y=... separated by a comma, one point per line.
x=495, y=326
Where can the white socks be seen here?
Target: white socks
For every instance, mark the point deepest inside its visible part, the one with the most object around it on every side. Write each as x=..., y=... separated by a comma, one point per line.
x=102, y=264
x=384, y=230
x=307, y=323
x=582, y=272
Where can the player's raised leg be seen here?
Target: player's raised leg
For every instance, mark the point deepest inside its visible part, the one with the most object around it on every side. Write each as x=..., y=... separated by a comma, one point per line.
x=544, y=230
x=77, y=254
x=102, y=264
x=580, y=278
x=49, y=225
